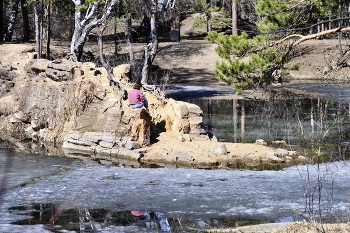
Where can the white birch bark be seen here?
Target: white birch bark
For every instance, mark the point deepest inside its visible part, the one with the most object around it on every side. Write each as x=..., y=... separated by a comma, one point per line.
x=85, y=25
x=154, y=31
x=234, y=18
x=12, y=20
x=37, y=29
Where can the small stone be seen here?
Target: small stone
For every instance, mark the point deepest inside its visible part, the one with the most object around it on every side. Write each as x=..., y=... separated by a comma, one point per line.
x=183, y=157
x=288, y=159
x=282, y=152
x=106, y=144
x=14, y=120
x=170, y=157
x=282, y=142
x=220, y=150
x=301, y=159
x=131, y=145
x=252, y=157
x=275, y=159
x=261, y=142
x=293, y=154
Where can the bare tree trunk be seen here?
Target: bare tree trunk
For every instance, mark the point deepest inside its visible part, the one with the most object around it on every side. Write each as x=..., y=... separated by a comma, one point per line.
x=48, y=30
x=42, y=23
x=1, y=20
x=243, y=16
x=77, y=26
x=234, y=18
x=154, y=31
x=84, y=26
x=111, y=77
x=128, y=43
x=37, y=29
x=12, y=20
x=235, y=119
x=175, y=20
x=26, y=29
x=243, y=119
x=339, y=34
x=208, y=16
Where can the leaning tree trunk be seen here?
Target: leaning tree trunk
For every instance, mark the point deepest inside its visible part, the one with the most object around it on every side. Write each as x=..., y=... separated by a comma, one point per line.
x=12, y=20
x=339, y=34
x=48, y=30
x=77, y=27
x=243, y=15
x=37, y=29
x=208, y=16
x=234, y=18
x=26, y=29
x=128, y=42
x=149, y=58
x=1, y=20
x=82, y=29
x=111, y=77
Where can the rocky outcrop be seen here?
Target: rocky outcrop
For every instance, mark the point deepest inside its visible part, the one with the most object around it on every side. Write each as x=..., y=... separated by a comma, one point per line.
x=123, y=133
x=73, y=103
x=130, y=129
x=180, y=117
x=6, y=79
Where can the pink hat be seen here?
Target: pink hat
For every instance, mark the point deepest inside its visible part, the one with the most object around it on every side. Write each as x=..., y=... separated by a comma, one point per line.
x=137, y=213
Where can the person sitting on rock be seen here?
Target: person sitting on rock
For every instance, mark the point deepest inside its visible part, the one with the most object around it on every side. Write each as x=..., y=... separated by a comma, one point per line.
x=136, y=98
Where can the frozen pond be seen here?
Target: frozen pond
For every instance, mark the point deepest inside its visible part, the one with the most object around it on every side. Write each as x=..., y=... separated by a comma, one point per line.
x=41, y=193
x=38, y=190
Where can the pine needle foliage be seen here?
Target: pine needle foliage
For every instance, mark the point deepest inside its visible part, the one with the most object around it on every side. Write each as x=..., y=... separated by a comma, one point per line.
x=248, y=63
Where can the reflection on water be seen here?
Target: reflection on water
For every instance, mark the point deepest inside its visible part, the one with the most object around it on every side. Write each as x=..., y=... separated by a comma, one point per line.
x=85, y=220
x=309, y=125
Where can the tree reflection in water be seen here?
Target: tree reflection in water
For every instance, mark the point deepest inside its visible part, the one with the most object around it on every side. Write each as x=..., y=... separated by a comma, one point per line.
x=310, y=126
x=85, y=220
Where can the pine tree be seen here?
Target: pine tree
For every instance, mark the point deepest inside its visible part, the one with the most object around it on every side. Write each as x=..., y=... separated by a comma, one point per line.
x=240, y=70
x=251, y=62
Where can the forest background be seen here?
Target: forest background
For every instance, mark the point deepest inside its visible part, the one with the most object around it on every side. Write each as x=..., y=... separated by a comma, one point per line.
x=255, y=38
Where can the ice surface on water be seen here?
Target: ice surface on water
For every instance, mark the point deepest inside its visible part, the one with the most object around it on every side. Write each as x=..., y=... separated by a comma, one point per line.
x=174, y=192
x=180, y=92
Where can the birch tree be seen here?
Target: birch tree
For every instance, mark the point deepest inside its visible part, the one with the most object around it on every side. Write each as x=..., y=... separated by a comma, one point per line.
x=155, y=21
x=12, y=20
x=234, y=18
x=154, y=32
x=1, y=20
x=37, y=29
x=26, y=28
x=83, y=25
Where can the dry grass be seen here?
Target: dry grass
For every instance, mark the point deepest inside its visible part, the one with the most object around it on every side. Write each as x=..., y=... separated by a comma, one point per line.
x=301, y=227
x=294, y=227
